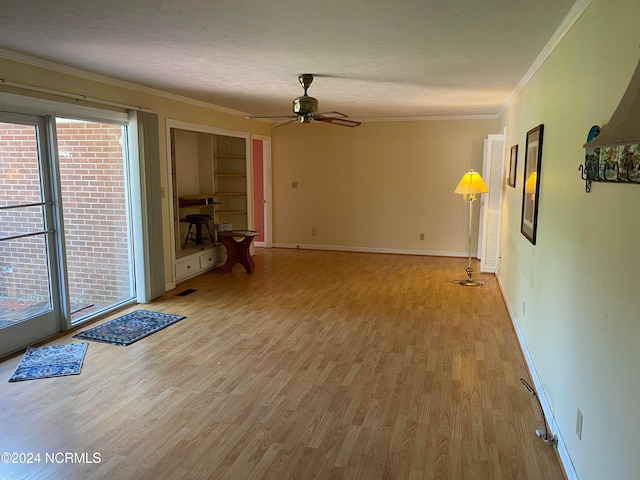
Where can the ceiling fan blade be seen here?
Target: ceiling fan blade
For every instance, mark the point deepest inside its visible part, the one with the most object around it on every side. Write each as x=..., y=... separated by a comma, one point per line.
x=270, y=116
x=338, y=121
x=282, y=124
x=332, y=114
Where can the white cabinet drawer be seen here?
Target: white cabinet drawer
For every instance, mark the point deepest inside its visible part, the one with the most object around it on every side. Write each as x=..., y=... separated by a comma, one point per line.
x=187, y=267
x=208, y=259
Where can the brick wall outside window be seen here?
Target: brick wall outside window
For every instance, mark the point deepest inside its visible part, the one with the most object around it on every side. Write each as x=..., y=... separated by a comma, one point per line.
x=23, y=269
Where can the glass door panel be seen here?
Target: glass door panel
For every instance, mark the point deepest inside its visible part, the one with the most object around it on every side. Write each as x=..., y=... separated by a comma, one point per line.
x=94, y=187
x=25, y=285
x=28, y=291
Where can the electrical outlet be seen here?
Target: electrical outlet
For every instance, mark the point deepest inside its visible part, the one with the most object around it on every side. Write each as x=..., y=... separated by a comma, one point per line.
x=579, y=419
x=294, y=184
x=422, y=236
x=313, y=232
x=524, y=307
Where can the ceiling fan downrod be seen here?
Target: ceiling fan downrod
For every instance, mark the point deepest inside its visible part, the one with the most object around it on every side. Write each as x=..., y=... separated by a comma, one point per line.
x=305, y=80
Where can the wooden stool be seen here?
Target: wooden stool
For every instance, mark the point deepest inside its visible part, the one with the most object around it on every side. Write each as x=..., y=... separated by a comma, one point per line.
x=198, y=219
x=238, y=251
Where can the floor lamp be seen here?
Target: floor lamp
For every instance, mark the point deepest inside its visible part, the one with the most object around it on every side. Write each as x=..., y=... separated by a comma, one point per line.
x=469, y=187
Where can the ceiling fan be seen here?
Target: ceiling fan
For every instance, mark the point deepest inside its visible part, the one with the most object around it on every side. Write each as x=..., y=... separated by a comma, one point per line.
x=305, y=109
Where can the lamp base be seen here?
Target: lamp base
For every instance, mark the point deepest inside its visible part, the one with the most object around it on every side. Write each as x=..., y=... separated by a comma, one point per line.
x=468, y=282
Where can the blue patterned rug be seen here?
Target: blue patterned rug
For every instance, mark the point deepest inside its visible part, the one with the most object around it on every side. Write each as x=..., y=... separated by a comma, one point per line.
x=130, y=328
x=50, y=361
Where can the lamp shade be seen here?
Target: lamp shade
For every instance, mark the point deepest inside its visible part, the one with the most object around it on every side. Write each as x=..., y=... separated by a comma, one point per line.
x=471, y=183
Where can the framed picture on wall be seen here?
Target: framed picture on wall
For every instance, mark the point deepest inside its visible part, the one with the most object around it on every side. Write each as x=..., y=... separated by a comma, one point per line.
x=531, y=185
x=513, y=166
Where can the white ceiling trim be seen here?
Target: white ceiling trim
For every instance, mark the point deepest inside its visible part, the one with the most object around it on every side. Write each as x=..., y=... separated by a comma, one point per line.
x=56, y=67
x=572, y=17
x=434, y=117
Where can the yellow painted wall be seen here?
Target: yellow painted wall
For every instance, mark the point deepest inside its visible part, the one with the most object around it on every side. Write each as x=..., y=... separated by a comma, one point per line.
x=376, y=187
x=575, y=293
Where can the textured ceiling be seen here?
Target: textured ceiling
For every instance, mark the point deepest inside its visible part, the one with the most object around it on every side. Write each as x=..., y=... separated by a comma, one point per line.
x=372, y=58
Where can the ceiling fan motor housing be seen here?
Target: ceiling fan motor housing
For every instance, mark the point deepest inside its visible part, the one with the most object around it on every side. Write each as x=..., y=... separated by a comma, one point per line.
x=305, y=105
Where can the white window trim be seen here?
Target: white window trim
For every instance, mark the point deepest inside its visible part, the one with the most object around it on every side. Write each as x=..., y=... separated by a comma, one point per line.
x=39, y=106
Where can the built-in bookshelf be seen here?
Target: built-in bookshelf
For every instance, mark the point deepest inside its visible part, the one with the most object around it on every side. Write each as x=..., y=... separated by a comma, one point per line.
x=208, y=176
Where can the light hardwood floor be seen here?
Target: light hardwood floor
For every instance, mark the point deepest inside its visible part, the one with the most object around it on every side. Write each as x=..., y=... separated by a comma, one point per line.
x=320, y=365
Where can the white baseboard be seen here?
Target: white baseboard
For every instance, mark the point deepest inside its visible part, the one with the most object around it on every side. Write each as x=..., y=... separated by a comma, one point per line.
x=396, y=251
x=563, y=453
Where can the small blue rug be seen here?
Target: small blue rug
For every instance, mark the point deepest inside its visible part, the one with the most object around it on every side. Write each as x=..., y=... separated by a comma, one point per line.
x=50, y=361
x=130, y=328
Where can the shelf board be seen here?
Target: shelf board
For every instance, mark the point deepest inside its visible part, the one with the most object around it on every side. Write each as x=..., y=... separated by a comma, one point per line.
x=235, y=157
x=198, y=200
x=196, y=204
x=231, y=212
x=198, y=196
x=229, y=194
x=230, y=174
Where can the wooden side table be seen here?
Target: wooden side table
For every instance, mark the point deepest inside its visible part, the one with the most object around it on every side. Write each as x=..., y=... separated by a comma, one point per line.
x=238, y=251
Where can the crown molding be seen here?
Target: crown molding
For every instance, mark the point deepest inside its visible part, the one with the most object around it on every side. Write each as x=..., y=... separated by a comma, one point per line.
x=572, y=17
x=96, y=77
x=430, y=118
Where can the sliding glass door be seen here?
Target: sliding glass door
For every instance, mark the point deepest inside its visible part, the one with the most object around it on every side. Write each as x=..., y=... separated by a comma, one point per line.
x=29, y=287
x=66, y=249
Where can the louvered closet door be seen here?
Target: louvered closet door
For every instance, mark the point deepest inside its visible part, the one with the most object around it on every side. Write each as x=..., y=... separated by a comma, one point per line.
x=493, y=174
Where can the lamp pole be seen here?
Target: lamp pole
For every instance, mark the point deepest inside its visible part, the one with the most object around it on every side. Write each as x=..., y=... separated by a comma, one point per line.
x=469, y=282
